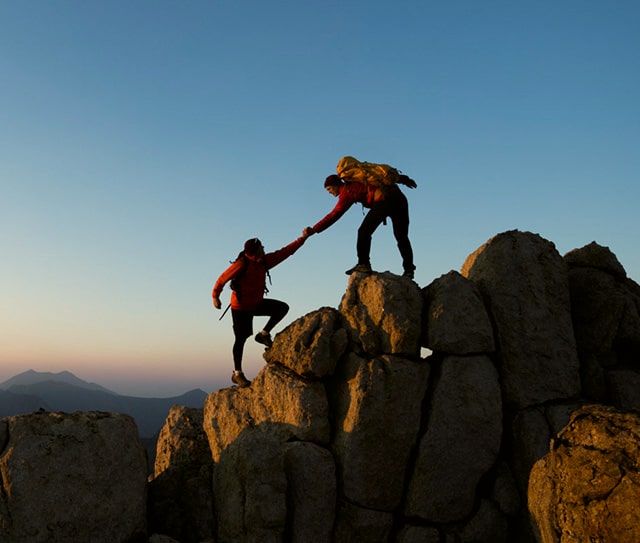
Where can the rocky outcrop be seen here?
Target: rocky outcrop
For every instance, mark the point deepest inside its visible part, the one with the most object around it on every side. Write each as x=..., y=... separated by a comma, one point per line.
x=423, y=448
x=587, y=488
x=411, y=414
x=523, y=280
x=348, y=434
x=78, y=477
x=357, y=423
x=605, y=305
x=180, y=493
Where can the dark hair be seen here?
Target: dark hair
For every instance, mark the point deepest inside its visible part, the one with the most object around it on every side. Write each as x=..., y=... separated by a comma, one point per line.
x=332, y=181
x=252, y=246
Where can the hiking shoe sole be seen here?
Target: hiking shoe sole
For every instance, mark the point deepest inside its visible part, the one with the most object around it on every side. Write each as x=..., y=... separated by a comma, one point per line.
x=359, y=268
x=240, y=380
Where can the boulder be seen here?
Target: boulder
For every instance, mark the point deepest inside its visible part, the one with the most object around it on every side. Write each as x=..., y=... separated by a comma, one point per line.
x=180, y=493
x=524, y=282
x=587, y=488
x=250, y=490
x=311, y=492
x=72, y=477
x=605, y=307
x=182, y=440
x=278, y=401
x=377, y=411
x=597, y=257
x=384, y=314
x=461, y=441
x=312, y=345
x=456, y=318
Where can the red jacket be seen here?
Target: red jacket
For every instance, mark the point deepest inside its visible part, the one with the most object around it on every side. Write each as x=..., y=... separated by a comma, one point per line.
x=252, y=280
x=350, y=193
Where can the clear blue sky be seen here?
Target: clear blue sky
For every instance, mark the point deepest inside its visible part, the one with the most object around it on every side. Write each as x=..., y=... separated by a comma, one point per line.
x=142, y=142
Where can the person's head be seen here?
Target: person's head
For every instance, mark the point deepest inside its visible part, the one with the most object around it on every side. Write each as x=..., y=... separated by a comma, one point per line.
x=253, y=247
x=333, y=184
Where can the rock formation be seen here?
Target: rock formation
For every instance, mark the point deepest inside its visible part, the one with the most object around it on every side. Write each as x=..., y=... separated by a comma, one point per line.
x=79, y=477
x=412, y=414
x=588, y=487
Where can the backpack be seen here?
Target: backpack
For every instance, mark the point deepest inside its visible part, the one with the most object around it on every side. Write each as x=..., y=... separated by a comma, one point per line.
x=234, y=284
x=351, y=170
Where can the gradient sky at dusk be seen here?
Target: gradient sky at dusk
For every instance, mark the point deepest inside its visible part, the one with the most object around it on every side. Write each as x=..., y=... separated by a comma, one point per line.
x=142, y=142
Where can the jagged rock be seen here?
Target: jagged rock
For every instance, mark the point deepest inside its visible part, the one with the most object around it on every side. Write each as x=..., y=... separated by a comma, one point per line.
x=384, y=314
x=72, y=477
x=587, y=488
x=180, y=495
x=461, y=441
x=312, y=345
x=377, y=410
x=457, y=320
x=524, y=282
x=311, y=492
x=250, y=489
x=278, y=401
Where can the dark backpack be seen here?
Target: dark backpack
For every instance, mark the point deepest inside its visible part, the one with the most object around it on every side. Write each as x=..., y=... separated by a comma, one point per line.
x=234, y=284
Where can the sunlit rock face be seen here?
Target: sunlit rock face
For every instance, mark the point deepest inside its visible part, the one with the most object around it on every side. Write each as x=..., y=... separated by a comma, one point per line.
x=71, y=477
x=587, y=488
x=351, y=434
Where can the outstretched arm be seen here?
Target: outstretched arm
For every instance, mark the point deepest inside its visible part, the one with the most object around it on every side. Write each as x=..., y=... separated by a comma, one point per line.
x=271, y=260
x=330, y=218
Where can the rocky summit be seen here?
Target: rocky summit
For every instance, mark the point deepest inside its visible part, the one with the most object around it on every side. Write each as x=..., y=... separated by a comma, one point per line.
x=497, y=404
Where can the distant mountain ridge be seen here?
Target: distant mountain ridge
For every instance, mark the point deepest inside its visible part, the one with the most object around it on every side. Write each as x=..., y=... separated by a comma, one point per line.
x=31, y=377
x=31, y=391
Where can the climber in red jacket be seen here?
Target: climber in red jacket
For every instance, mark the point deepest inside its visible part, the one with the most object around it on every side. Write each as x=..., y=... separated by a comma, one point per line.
x=248, y=274
x=390, y=202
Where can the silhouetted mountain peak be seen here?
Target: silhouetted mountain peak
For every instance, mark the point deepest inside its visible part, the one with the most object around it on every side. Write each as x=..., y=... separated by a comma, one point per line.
x=31, y=377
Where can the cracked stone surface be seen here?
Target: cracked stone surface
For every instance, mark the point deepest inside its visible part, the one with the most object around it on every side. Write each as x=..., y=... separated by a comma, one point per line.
x=587, y=488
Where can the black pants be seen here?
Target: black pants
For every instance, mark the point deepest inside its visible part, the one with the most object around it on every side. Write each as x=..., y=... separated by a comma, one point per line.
x=243, y=324
x=396, y=207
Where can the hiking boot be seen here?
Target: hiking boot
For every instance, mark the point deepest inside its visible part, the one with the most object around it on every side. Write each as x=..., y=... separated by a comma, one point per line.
x=264, y=338
x=359, y=268
x=239, y=379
